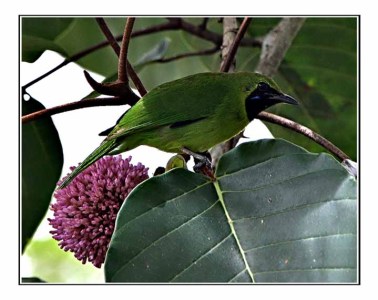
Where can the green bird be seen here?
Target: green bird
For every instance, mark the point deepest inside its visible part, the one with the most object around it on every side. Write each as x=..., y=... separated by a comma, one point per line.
x=189, y=115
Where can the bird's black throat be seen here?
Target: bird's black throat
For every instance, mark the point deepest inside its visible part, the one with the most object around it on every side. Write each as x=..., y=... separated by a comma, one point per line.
x=263, y=97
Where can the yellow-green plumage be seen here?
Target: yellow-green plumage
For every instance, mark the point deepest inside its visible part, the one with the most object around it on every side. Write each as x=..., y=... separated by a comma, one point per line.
x=195, y=112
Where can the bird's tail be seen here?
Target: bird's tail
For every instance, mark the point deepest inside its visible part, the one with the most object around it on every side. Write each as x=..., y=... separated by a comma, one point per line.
x=99, y=152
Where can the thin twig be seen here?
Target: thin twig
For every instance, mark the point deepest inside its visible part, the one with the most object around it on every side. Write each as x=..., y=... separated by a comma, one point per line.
x=92, y=102
x=188, y=54
x=108, y=34
x=235, y=45
x=136, y=80
x=117, y=49
x=122, y=62
x=272, y=118
x=203, y=25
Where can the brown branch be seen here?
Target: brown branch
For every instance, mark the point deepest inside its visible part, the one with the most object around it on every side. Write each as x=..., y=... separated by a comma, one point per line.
x=108, y=34
x=272, y=118
x=117, y=49
x=122, y=62
x=203, y=25
x=188, y=54
x=113, y=101
x=235, y=45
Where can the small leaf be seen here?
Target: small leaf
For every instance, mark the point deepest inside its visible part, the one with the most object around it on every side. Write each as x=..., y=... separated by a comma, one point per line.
x=156, y=53
x=276, y=213
x=32, y=280
x=42, y=161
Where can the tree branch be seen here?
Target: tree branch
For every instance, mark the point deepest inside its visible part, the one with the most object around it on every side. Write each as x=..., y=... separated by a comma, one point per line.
x=117, y=49
x=188, y=54
x=229, y=57
x=92, y=102
x=108, y=34
x=230, y=28
x=122, y=62
x=276, y=44
x=272, y=118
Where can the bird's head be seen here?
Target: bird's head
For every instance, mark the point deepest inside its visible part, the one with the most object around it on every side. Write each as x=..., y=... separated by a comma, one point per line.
x=260, y=93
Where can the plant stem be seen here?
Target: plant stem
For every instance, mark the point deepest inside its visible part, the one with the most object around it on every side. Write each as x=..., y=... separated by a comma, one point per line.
x=189, y=54
x=272, y=118
x=92, y=102
x=122, y=62
x=230, y=28
x=235, y=45
x=117, y=49
x=108, y=34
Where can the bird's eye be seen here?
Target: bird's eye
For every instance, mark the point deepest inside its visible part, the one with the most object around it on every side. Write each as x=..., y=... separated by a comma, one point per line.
x=263, y=86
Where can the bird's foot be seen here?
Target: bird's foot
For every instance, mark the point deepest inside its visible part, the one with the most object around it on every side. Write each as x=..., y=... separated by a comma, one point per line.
x=202, y=163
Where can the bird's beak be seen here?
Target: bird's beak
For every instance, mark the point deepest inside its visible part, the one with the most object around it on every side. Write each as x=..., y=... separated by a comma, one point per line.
x=284, y=98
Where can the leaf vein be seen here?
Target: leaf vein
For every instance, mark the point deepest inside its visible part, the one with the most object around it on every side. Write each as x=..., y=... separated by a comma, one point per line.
x=292, y=209
x=201, y=257
x=301, y=239
x=282, y=181
x=307, y=270
x=164, y=236
x=161, y=204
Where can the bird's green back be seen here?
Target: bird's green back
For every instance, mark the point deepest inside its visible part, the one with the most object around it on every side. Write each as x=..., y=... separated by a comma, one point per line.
x=190, y=98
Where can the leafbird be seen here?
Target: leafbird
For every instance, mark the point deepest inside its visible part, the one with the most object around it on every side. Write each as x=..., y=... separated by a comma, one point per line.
x=189, y=115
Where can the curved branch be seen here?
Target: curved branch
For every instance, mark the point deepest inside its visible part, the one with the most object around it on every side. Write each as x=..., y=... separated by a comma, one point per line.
x=92, y=102
x=272, y=118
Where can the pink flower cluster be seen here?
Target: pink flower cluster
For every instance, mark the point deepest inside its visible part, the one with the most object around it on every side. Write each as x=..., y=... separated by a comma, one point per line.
x=85, y=211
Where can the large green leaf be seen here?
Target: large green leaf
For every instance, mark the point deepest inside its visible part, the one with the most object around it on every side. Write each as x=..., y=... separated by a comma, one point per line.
x=320, y=70
x=276, y=213
x=42, y=161
x=39, y=34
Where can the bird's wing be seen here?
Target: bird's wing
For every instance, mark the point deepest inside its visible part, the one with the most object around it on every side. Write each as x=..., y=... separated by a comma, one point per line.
x=176, y=103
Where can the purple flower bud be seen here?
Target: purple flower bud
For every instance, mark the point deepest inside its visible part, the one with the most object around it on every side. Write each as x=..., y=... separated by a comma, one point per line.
x=85, y=211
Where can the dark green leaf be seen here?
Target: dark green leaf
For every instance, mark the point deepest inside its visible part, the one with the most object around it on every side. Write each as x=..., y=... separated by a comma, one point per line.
x=47, y=27
x=39, y=34
x=276, y=213
x=32, y=280
x=85, y=33
x=42, y=161
x=33, y=47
